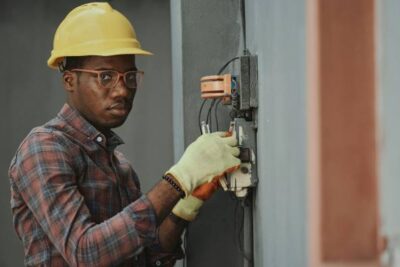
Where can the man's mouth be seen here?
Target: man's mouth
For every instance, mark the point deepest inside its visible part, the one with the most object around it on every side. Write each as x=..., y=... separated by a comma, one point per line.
x=120, y=105
x=120, y=108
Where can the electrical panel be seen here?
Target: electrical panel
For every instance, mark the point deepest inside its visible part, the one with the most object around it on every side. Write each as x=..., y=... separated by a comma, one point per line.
x=239, y=91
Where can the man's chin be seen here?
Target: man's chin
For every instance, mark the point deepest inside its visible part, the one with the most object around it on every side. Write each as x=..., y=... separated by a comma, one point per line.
x=117, y=119
x=117, y=123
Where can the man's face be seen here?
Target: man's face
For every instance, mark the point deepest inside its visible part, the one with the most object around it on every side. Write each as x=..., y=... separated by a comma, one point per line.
x=104, y=108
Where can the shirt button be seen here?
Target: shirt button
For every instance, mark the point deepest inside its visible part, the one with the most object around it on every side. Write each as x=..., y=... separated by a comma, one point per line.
x=158, y=263
x=99, y=139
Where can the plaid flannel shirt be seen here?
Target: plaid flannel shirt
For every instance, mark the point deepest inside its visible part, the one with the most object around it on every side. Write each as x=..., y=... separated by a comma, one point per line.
x=76, y=200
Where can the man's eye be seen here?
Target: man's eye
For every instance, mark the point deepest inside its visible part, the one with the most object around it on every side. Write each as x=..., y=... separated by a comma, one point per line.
x=131, y=77
x=105, y=76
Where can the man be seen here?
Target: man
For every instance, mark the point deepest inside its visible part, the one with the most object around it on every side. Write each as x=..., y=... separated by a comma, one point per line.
x=75, y=199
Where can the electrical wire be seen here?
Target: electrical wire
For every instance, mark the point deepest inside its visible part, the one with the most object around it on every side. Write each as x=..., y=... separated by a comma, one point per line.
x=243, y=17
x=235, y=222
x=216, y=113
x=199, y=115
x=185, y=241
x=215, y=104
x=208, y=120
x=226, y=65
x=209, y=113
x=240, y=217
x=219, y=100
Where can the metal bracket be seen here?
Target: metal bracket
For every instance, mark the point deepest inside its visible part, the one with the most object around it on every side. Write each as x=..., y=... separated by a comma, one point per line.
x=248, y=82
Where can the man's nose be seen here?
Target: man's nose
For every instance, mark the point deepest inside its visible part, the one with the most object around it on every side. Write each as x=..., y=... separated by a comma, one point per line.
x=120, y=88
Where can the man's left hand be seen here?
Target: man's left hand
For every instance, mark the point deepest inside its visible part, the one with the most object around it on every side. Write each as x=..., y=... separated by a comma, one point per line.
x=189, y=207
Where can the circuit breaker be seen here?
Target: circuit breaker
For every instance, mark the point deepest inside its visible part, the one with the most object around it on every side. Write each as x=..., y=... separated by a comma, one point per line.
x=239, y=91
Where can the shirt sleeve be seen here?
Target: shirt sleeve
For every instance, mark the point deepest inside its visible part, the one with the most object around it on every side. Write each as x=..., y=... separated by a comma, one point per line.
x=45, y=177
x=155, y=256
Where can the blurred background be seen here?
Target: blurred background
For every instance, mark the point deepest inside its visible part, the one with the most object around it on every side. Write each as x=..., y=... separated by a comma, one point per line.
x=328, y=137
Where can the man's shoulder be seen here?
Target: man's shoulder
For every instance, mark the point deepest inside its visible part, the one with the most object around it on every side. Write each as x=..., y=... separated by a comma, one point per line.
x=45, y=146
x=54, y=129
x=121, y=158
x=53, y=132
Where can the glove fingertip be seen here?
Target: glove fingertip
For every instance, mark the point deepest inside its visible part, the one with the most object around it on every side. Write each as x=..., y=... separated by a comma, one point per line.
x=234, y=168
x=228, y=134
x=235, y=151
x=220, y=134
x=230, y=140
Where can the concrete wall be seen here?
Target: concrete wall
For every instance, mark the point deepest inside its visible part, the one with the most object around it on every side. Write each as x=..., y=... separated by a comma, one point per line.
x=276, y=32
x=209, y=39
x=210, y=33
x=31, y=93
x=389, y=107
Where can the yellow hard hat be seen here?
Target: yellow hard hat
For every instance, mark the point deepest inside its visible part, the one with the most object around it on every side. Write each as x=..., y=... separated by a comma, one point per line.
x=94, y=29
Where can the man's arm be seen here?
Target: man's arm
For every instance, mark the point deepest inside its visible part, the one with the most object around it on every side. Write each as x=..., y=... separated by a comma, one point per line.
x=170, y=232
x=46, y=179
x=163, y=197
x=167, y=250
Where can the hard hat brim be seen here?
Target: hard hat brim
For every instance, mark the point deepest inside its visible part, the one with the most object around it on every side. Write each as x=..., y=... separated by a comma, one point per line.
x=56, y=58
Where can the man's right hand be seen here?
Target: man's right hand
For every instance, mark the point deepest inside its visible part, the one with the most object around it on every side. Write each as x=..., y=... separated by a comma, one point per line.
x=210, y=156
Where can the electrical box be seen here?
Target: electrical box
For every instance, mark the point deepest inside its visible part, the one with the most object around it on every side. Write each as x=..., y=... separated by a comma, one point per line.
x=239, y=91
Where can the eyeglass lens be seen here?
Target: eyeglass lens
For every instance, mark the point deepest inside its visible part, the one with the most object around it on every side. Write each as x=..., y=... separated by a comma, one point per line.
x=110, y=78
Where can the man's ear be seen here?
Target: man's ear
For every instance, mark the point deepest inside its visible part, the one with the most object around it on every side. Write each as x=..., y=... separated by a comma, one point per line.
x=69, y=81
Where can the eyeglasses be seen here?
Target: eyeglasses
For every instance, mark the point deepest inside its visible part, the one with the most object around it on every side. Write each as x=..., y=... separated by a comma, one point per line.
x=110, y=78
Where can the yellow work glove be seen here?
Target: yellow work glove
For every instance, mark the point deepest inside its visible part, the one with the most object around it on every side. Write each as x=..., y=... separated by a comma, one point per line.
x=189, y=207
x=211, y=155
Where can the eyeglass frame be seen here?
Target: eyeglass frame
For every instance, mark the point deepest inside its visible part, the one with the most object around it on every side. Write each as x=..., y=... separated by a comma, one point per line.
x=120, y=74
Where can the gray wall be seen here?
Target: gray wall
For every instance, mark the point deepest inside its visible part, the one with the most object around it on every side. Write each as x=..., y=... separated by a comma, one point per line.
x=31, y=93
x=210, y=33
x=206, y=34
x=389, y=108
x=276, y=32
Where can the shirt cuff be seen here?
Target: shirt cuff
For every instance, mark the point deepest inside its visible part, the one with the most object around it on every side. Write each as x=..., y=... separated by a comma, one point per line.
x=156, y=257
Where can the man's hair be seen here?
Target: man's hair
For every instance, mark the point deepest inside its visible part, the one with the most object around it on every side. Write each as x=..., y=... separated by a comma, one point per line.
x=70, y=63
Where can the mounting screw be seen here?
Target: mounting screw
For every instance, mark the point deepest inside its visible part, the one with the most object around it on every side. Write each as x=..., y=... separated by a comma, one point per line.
x=244, y=169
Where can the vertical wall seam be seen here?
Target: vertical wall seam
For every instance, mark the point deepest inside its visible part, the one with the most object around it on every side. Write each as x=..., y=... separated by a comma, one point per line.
x=177, y=85
x=177, y=78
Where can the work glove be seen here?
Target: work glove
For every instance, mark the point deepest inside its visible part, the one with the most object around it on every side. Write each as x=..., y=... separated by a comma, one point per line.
x=189, y=207
x=210, y=156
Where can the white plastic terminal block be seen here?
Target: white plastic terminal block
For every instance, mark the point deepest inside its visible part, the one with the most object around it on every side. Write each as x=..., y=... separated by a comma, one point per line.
x=240, y=180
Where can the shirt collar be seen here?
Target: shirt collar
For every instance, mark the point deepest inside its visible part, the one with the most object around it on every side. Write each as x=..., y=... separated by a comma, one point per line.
x=79, y=123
